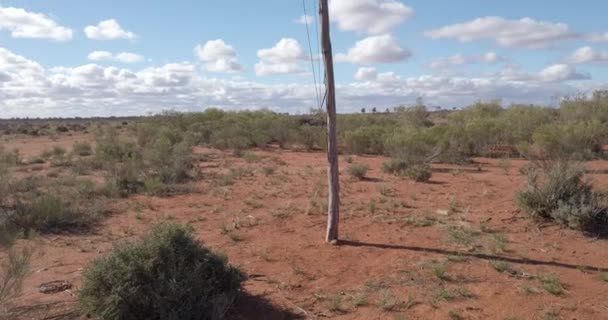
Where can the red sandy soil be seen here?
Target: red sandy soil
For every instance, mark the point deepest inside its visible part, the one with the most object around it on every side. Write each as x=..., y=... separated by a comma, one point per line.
x=273, y=227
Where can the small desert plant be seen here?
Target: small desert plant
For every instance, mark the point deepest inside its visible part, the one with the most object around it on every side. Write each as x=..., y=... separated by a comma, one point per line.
x=58, y=151
x=166, y=275
x=336, y=304
x=13, y=269
x=500, y=266
x=455, y=315
x=551, y=283
x=251, y=157
x=153, y=186
x=385, y=190
x=505, y=165
x=462, y=235
x=268, y=170
x=358, y=171
x=9, y=158
x=36, y=160
x=388, y=301
x=52, y=213
x=59, y=157
x=82, y=148
x=526, y=168
x=560, y=192
x=395, y=166
x=419, y=172
x=440, y=270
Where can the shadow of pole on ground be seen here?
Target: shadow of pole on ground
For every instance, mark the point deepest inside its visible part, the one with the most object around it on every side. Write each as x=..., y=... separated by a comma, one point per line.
x=482, y=256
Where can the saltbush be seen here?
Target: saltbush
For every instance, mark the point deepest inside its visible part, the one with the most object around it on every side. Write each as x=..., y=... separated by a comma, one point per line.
x=419, y=172
x=560, y=193
x=358, y=170
x=166, y=275
x=82, y=148
x=395, y=166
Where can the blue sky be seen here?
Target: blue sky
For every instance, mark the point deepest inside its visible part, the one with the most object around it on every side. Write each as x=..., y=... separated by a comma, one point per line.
x=147, y=56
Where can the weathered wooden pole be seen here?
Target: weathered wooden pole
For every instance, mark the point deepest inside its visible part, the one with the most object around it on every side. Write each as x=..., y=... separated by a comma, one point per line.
x=333, y=203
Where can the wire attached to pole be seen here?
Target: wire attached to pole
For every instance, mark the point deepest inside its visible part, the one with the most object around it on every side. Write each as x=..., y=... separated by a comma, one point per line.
x=312, y=59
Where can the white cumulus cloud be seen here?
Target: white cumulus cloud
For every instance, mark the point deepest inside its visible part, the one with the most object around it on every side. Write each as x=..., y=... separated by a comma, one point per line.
x=124, y=57
x=375, y=49
x=108, y=30
x=284, y=57
x=522, y=33
x=366, y=74
x=305, y=19
x=556, y=73
x=588, y=55
x=29, y=89
x=370, y=16
x=24, y=24
x=460, y=59
x=561, y=72
x=218, y=56
x=598, y=36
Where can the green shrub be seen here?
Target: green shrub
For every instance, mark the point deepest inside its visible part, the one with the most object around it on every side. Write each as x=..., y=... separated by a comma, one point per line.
x=416, y=115
x=358, y=171
x=9, y=158
x=312, y=137
x=268, y=170
x=58, y=151
x=82, y=148
x=111, y=188
x=231, y=137
x=47, y=213
x=171, y=163
x=46, y=154
x=364, y=140
x=526, y=169
x=574, y=140
x=125, y=178
x=60, y=159
x=14, y=267
x=414, y=145
x=560, y=193
x=154, y=186
x=166, y=275
x=36, y=160
x=395, y=166
x=583, y=108
x=505, y=165
x=419, y=172
x=111, y=148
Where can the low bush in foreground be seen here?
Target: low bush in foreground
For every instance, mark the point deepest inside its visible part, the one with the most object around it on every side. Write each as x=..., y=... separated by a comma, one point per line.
x=559, y=192
x=166, y=275
x=14, y=267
